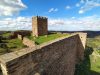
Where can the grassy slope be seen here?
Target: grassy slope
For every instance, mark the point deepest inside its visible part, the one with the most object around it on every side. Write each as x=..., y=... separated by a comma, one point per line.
x=16, y=44
x=95, y=64
x=95, y=58
x=11, y=45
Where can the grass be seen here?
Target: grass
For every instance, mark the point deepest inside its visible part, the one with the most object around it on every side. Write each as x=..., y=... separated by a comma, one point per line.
x=94, y=43
x=6, y=34
x=14, y=44
x=46, y=38
x=10, y=45
x=95, y=63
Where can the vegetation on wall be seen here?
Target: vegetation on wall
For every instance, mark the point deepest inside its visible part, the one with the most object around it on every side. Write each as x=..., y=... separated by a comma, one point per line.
x=46, y=38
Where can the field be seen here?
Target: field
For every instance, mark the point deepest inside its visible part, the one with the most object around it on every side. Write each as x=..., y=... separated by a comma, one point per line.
x=95, y=57
x=8, y=45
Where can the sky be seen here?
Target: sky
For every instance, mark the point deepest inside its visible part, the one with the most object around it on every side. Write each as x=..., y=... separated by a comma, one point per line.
x=63, y=15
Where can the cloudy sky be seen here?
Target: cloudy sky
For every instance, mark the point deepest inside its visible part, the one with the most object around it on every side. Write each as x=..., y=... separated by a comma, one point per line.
x=64, y=15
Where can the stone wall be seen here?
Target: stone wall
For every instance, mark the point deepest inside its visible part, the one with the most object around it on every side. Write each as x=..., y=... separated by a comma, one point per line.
x=83, y=37
x=20, y=37
x=57, y=57
x=28, y=42
x=22, y=32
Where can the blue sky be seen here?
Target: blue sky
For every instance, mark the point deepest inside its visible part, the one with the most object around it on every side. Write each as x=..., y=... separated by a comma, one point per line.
x=42, y=7
x=64, y=8
x=65, y=15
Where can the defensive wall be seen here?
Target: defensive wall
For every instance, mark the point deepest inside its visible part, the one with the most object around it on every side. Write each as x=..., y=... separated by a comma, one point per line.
x=57, y=57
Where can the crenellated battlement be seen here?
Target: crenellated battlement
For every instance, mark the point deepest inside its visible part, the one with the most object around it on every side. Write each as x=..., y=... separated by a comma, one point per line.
x=39, y=17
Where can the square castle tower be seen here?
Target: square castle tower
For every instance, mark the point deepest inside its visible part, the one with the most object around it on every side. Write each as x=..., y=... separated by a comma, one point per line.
x=39, y=26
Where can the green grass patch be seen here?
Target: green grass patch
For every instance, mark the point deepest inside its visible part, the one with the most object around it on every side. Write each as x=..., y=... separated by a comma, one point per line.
x=6, y=34
x=15, y=44
x=8, y=45
x=95, y=63
x=94, y=43
x=46, y=38
x=12, y=45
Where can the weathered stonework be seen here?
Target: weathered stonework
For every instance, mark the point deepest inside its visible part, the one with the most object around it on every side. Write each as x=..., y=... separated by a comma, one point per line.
x=23, y=33
x=83, y=37
x=39, y=26
x=20, y=37
x=28, y=42
x=57, y=57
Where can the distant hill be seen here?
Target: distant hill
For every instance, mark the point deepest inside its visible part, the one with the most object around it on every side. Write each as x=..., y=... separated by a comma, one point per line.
x=91, y=34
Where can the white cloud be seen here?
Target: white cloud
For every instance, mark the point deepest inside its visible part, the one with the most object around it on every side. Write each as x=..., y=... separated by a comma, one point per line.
x=73, y=17
x=53, y=10
x=68, y=7
x=77, y=5
x=10, y=7
x=84, y=23
x=82, y=1
x=56, y=22
x=19, y=23
x=73, y=23
x=81, y=11
x=89, y=5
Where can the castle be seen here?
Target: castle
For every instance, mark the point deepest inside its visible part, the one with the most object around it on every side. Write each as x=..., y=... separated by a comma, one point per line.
x=39, y=26
x=57, y=57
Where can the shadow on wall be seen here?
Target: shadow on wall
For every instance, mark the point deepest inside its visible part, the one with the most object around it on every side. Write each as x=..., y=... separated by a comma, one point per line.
x=0, y=71
x=94, y=73
x=84, y=68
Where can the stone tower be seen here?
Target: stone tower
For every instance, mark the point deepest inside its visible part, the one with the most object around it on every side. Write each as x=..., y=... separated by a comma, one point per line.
x=39, y=26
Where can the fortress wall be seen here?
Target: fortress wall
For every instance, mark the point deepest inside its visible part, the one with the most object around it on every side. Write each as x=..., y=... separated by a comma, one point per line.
x=82, y=37
x=57, y=57
x=22, y=33
x=28, y=42
x=80, y=53
x=20, y=37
